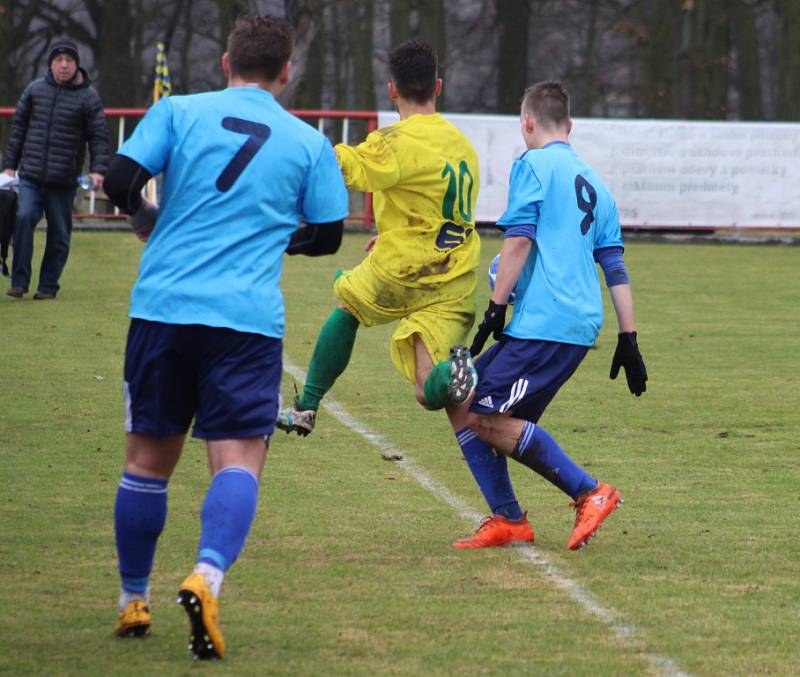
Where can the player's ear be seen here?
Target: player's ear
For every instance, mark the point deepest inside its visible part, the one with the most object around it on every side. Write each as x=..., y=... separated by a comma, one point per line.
x=283, y=77
x=226, y=66
x=438, y=89
x=569, y=126
x=392, y=90
x=528, y=123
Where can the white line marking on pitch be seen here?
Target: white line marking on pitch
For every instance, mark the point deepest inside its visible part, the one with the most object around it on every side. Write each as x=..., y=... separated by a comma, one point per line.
x=624, y=631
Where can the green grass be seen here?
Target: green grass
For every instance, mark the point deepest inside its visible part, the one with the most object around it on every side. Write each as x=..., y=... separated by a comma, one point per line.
x=348, y=569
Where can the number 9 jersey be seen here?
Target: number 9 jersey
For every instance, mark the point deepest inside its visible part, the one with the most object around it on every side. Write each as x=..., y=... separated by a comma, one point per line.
x=240, y=173
x=423, y=172
x=558, y=295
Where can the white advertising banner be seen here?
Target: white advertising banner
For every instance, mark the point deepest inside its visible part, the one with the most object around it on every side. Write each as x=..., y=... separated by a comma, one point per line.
x=662, y=173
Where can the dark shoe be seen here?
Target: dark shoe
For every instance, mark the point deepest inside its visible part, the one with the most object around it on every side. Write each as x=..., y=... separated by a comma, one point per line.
x=43, y=296
x=17, y=292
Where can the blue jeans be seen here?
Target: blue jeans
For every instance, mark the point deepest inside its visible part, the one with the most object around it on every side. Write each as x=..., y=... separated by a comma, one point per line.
x=56, y=204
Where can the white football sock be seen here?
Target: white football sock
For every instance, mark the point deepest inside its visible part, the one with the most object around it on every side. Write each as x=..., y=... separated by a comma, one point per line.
x=126, y=597
x=213, y=575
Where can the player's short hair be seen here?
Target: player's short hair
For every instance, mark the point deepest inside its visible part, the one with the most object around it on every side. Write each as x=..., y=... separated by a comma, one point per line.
x=413, y=70
x=548, y=102
x=259, y=46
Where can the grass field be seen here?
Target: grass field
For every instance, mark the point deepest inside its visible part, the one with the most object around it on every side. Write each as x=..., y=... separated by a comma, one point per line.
x=348, y=570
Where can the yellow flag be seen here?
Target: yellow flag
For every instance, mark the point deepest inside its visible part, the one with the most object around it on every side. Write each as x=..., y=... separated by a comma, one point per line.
x=161, y=85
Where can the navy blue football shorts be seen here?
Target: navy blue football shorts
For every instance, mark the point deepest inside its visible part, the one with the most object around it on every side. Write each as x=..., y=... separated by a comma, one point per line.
x=227, y=380
x=522, y=376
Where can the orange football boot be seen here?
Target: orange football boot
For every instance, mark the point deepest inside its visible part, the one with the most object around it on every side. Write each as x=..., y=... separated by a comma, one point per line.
x=591, y=509
x=497, y=530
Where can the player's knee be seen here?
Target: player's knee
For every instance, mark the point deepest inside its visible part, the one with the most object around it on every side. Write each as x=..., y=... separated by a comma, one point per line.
x=478, y=423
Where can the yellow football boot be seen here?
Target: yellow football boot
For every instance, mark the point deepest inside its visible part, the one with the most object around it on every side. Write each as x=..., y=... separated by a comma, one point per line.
x=202, y=608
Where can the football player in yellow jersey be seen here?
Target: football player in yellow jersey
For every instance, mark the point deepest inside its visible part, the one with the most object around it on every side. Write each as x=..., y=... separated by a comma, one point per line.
x=420, y=270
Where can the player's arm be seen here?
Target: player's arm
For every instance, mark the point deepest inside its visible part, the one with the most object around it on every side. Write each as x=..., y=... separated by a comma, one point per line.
x=513, y=255
x=316, y=239
x=123, y=184
x=627, y=354
x=369, y=166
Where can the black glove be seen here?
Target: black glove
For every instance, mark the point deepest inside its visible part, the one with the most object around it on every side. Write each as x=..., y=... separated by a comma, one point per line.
x=627, y=355
x=494, y=321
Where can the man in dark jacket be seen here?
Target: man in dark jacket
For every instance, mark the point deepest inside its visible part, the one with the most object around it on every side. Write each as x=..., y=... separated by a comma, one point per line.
x=55, y=118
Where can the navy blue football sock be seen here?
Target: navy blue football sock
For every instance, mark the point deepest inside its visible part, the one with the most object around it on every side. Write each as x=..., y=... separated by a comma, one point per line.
x=540, y=452
x=139, y=515
x=227, y=514
x=490, y=471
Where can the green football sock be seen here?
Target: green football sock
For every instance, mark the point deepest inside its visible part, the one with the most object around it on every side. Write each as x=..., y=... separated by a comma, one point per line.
x=435, y=386
x=330, y=358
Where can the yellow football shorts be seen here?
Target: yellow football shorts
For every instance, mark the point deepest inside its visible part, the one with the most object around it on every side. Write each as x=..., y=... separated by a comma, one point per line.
x=442, y=315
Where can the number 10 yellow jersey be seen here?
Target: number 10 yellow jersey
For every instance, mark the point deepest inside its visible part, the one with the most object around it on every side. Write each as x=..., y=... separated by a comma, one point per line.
x=423, y=172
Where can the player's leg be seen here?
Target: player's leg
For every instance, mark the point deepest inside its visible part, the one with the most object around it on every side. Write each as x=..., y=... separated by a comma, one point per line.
x=140, y=512
x=527, y=393
x=330, y=358
x=446, y=383
x=236, y=412
x=507, y=521
x=159, y=405
x=227, y=515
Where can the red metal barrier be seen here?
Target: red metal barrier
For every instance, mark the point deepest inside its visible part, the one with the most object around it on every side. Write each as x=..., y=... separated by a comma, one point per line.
x=121, y=115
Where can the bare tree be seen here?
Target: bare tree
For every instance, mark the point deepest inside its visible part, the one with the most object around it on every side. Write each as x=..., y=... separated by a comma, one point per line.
x=789, y=69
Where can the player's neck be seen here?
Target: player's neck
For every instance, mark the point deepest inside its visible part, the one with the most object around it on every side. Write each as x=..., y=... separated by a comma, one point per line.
x=541, y=140
x=407, y=108
x=274, y=87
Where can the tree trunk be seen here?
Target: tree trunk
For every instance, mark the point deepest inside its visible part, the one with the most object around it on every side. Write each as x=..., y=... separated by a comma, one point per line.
x=711, y=44
x=658, y=29
x=399, y=21
x=113, y=53
x=431, y=29
x=789, y=66
x=512, y=53
x=586, y=95
x=305, y=85
x=361, y=14
x=748, y=62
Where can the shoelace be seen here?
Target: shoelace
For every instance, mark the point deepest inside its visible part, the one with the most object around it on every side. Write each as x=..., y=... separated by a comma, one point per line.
x=485, y=523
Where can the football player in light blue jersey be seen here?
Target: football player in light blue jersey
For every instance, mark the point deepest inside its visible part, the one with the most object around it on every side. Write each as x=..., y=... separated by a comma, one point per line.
x=239, y=176
x=560, y=220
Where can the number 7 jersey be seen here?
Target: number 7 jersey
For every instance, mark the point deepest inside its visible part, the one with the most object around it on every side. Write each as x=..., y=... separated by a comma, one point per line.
x=423, y=172
x=239, y=175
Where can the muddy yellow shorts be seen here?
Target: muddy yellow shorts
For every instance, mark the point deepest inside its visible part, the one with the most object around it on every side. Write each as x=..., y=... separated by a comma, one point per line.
x=441, y=315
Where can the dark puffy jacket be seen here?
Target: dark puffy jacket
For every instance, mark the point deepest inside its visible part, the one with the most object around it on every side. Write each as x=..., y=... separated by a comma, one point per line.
x=51, y=127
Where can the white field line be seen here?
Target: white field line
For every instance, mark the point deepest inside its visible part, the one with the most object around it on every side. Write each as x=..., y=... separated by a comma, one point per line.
x=627, y=633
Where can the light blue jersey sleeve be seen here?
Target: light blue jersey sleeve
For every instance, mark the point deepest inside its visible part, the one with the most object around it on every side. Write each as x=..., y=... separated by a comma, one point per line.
x=325, y=195
x=525, y=195
x=151, y=142
x=609, y=234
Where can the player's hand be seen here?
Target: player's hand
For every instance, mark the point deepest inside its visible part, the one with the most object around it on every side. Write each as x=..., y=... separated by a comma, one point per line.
x=494, y=321
x=627, y=355
x=371, y=243
x=11, y=172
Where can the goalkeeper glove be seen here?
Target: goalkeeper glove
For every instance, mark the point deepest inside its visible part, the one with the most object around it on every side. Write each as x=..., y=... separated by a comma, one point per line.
x=494, y=321
x=627, y=355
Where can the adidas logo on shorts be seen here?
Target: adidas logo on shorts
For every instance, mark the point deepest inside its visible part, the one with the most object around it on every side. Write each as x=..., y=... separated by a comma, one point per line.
x=486, y=401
